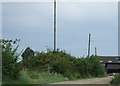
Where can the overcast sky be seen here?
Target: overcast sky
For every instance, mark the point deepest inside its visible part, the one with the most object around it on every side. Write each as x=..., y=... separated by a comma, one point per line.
x=32, y=22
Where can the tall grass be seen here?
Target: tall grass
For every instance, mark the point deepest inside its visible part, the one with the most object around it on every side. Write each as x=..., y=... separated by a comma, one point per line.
x=116, y=80
x=34, y=77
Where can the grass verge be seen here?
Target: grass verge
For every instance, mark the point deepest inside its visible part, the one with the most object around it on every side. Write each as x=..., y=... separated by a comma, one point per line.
x=34, y=77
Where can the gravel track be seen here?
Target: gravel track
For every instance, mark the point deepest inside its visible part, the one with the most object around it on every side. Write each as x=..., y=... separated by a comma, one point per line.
x=103, y=80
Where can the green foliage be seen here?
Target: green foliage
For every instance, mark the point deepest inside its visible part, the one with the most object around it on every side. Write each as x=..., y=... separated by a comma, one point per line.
x=43, y=77
x=35, y=77
x=57, y=62
x=67, y=65
x=10, y=66
x=116, y=80
x=95, y=67
x=27, y=54
x=50, y=66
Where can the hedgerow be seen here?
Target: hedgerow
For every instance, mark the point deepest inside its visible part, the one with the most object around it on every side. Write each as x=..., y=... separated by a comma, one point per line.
x=58, y=62
x=65, y=64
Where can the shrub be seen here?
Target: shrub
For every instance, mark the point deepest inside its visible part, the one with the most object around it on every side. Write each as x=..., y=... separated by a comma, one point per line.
x=82, y=66
x=10, y=66
x=116, y=80
x=63, y=63
x=27, y=54
x=89, y=66
x=51, y=61
x=95, y=67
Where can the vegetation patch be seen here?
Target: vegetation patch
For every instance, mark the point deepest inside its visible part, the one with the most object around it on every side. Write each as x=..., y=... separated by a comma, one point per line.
x=116, y=80
x=33, y=77
x=45, y=67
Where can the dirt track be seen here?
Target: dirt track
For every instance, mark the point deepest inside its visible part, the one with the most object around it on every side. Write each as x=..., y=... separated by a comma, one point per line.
x=104, y=80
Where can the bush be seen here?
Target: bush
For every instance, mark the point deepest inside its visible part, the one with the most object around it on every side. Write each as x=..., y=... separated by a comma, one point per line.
x=89, y=67
x=67, y=65
x=27, y=54
x=116, y=80
x=51, y=61
x=10, y=66
x=95, y=67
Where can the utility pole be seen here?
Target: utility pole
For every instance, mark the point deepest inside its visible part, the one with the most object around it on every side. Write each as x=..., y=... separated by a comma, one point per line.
x=95, y=51
x=89, y=45
x=54, y=25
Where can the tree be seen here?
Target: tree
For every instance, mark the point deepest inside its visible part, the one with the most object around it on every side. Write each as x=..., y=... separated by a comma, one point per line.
x=10, y=66
x=27, y=54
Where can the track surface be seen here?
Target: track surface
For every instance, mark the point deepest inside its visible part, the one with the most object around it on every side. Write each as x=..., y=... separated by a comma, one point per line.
x=104, y=80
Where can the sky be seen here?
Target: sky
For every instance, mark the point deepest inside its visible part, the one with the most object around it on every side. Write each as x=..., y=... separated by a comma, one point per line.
x=32, y=23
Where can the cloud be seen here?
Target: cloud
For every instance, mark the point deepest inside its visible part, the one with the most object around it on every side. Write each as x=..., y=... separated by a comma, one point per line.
x=33, y=24
x=85, y=11
x=28, y=16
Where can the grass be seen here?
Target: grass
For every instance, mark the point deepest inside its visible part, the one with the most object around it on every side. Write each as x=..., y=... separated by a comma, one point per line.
x=116, y=80
x=33, y=77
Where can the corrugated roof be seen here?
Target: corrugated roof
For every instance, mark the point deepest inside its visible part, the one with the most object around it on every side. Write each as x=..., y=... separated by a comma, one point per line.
x=109, y=59
x=113, y=66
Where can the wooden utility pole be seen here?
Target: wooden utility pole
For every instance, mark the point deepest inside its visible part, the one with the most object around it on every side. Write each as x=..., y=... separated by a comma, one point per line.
x=95, y=51
x=89, y=45
x=54, y=25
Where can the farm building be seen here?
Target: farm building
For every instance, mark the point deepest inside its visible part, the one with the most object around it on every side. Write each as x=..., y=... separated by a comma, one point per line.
x=111, y=63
